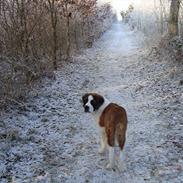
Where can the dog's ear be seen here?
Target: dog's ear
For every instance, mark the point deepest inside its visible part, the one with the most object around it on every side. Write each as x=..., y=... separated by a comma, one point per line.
x=98, y=101
x=85, y=98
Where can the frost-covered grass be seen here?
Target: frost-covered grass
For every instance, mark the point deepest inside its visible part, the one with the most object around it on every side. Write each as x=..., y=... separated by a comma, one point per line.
x=53, y=140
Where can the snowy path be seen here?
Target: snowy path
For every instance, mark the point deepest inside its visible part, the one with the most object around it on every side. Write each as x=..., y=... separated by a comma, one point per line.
x=57, y=141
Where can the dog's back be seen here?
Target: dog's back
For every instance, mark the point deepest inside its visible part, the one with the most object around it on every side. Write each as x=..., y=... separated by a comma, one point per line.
x=114, y=120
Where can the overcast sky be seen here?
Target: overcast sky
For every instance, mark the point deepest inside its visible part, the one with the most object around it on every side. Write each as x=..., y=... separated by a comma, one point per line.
x=121, y=4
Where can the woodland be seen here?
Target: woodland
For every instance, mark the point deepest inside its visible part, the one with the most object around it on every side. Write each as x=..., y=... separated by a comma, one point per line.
x=54, y=51
x=37, y=35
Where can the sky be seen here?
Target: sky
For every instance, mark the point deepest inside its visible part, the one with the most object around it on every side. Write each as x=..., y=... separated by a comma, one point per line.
x=119, y=5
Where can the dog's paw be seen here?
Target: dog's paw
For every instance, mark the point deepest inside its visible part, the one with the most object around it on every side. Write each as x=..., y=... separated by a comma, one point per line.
x=101, y=150
x=109, y=166
x=120, y=166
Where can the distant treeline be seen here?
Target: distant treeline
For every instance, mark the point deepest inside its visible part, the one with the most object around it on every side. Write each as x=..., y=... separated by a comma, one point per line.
x=156, y=17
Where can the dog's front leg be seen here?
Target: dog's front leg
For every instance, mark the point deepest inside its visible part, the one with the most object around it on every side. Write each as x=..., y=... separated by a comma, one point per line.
x=102, y=142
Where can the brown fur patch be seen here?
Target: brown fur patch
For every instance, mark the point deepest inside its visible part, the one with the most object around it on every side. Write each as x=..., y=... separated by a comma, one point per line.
x=114, y=120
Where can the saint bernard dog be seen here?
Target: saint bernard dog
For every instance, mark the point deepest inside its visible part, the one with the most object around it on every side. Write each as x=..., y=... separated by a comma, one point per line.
x=112, y=122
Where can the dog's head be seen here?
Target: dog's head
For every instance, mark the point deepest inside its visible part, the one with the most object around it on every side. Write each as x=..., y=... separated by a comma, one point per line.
x=92, y=102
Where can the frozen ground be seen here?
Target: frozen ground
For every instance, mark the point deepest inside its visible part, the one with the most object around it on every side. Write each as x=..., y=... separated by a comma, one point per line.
x=53, y=140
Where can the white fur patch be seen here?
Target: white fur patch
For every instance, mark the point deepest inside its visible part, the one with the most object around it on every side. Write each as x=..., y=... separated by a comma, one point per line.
x=90, y=98
x=111, y=157
x=98, y=113
x=103, y=141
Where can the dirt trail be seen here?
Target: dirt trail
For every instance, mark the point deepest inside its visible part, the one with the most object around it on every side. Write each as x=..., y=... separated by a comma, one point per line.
x=57, y=141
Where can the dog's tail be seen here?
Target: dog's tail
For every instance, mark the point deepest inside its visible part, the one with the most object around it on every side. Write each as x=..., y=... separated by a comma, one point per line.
x=121, y=134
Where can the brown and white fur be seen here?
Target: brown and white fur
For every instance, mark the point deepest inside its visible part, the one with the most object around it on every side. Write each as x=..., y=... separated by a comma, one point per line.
x=112, y=122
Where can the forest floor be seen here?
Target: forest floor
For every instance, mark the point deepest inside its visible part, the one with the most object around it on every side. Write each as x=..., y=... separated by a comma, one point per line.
x=51, y=139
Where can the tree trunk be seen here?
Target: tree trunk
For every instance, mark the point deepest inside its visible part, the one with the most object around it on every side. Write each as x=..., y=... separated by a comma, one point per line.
x=83, y=32
x=68, y=39
x=55, y=47
x=53, y=14
x=161, y=18
x=68, y=15
x=173, y=29
x=75, y=36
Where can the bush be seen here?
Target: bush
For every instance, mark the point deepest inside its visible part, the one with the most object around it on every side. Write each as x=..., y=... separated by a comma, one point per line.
x=36, y=34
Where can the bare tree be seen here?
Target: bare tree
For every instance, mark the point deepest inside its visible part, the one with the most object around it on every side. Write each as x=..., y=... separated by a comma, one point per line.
x=173, y=18
x=161, y=17
x=67, y=8
x=52, y=4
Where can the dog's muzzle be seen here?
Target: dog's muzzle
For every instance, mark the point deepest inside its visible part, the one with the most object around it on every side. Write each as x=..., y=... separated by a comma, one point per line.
x=86, y=108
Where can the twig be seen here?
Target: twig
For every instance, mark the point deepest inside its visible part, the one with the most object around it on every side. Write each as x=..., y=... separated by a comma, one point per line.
x=22, y=66
x=15, y=101
x=153, y=49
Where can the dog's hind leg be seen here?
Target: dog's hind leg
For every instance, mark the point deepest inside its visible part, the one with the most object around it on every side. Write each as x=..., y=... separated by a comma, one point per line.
x=121, y=154
x=111, y=157
x=110, y=132
x=102, y=142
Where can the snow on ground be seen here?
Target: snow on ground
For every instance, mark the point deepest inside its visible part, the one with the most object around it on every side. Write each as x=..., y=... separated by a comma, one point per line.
x=53, y=140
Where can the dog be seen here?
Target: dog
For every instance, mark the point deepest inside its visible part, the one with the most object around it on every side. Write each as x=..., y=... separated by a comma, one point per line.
x=112, y=122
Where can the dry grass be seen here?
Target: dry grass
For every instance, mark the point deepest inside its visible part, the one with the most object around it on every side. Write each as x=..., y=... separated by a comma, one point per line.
x=36, y=35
